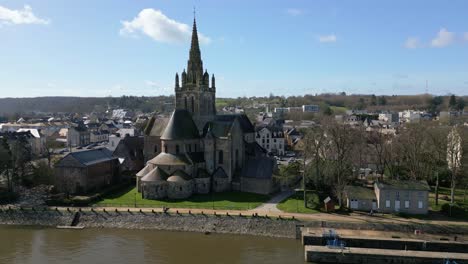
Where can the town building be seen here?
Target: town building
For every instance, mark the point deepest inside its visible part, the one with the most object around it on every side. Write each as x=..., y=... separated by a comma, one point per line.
x=271, y=138
x=310, y=108
x=129, y=150
x=410, y=197
x=99, y=136
x=86, y=171
x=78, y=136
x=409, y=116
x=390, y=196
x=197, y=150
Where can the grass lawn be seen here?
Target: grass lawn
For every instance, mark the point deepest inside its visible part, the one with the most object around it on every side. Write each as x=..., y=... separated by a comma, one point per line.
x=338, y=109
x=444, y=198
x=295, y=203
x=226, y=200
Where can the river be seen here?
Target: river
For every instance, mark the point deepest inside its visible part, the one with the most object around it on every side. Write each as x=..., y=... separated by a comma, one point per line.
x=24, y=245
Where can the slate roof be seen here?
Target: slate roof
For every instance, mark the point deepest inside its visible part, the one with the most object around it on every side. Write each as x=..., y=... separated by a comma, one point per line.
x=179, y=176
x=218, y=128
x=155, y=175
x=156, y=126
x=170, y=160
x=181, y=126
x=88, y=157
x=403, y=185
x=144, y=171
x=244, y=121
x=259, y=168
x=359, y=193
x=220, y=173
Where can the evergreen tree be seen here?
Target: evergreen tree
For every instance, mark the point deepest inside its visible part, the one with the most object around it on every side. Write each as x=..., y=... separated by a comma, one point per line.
x=453, y=102
x=460, y=104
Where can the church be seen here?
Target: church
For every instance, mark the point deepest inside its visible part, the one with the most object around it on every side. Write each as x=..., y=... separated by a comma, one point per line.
x=197, y=151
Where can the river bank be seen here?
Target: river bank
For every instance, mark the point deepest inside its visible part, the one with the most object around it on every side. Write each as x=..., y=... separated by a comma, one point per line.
x=222, y=222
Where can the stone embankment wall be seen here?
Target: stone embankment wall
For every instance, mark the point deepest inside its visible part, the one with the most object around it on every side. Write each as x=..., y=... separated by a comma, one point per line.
x=261, y=225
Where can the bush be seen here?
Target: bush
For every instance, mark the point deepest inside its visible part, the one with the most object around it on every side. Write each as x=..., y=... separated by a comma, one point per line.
x=313, y=201
x=60, y=200
x=457, y=210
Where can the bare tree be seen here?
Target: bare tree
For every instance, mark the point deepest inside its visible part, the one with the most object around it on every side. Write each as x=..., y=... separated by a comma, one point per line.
x=454, y=158
x=341, y=139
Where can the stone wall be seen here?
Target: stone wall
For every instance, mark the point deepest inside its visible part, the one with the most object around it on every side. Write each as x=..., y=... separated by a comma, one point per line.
x=202, y=223
x=158, y=221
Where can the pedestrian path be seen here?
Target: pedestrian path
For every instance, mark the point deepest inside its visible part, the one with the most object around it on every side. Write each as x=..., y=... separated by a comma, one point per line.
x=270, y=205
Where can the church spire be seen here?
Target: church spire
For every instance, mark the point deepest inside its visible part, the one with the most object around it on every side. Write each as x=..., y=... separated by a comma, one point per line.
x=195, y=64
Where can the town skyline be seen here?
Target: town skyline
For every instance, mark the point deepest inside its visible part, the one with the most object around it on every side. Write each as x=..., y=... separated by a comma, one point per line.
x=285, y=49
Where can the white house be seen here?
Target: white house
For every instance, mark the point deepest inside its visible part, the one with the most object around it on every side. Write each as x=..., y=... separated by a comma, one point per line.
x=271, y=139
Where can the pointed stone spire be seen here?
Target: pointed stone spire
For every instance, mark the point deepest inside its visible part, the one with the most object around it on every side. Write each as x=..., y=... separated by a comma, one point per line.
x=177, y=80
x=195, y=64
x=213, y=85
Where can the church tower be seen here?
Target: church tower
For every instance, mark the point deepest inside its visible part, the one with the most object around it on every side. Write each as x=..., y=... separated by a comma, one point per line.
x=194, y=92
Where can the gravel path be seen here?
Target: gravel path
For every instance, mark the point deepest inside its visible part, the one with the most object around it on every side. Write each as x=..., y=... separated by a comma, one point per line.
x=270, y=205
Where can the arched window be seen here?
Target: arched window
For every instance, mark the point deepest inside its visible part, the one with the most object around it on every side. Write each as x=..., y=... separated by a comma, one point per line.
x=185, y=103
x=165, y=148
x=155, y=148
x=177, y=149
x=220, y=157
x=237, y=158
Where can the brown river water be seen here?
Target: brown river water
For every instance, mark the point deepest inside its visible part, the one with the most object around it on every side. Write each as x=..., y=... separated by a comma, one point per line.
x=25, y=245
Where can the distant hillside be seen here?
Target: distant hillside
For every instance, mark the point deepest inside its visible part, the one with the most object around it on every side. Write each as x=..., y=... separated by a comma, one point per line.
x=11, y=106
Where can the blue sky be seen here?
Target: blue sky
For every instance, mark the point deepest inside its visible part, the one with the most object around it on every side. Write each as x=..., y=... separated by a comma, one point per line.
x=254, y=48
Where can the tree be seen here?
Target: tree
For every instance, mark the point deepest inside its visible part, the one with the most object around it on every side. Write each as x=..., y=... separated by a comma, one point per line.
x=436, y=138
x=454, y=159
x=314, y=142
x=361, y=104
x=340, y=148
x=50, y=146
x=42, y=173
x=373, y=100
x=453, y=102
x=288, y=173
x=382, y=100
x=460, y=104
x=21, y=154
x=435, y=103
x=6, y=164
x=378, y=143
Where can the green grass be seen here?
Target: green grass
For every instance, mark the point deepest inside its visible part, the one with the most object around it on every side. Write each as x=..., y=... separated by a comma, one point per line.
x=225, y=200
x=338, y=109
x=444, y=198
x=295, y=204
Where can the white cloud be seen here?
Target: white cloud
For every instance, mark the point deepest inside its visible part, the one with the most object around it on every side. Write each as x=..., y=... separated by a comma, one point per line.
x=159, y=27
x=151, y=84
x=465, y=36
x=412, y=43
x=327, y=38
x=21, y=16
x=443, y=39
x=294, y=11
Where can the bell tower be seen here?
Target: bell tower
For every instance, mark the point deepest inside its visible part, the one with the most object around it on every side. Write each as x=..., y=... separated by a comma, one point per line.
x=194, y=93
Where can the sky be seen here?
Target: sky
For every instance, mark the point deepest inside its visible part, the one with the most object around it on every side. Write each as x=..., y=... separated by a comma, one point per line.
x=254, y=48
